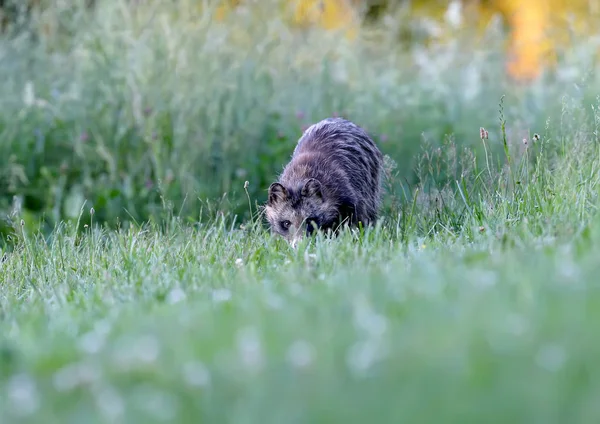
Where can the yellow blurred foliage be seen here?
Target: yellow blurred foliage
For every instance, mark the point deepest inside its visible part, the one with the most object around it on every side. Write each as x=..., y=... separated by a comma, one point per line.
x=536, y=27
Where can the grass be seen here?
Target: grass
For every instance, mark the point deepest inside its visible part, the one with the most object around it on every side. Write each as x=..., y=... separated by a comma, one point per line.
x=413, y=319
x=129, y=105
x=127, y=296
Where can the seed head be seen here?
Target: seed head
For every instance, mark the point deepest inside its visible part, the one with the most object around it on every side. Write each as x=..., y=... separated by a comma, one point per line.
x=246, y=185
x=483, y=133
x=92, y=211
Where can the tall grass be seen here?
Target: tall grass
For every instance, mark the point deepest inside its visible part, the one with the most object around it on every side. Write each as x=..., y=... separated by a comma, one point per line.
x=478, y=302
x=131, y=105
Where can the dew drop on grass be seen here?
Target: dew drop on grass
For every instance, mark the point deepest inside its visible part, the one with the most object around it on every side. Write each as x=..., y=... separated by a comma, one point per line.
x=361, y=356
x=156, y=403
x=551, y=357
x=91, y=342
x=23, y=395
x=221, y=295
x=147, y=349
x=483, y=279
x=110, y=403
x=132, y=352
x=102, y=327
x=367, y=320
x=300, y=354
x=73, y=375
x=249, y=348
x=274, y=301
x=196, y=374
x=516, y=324
x=176, y=295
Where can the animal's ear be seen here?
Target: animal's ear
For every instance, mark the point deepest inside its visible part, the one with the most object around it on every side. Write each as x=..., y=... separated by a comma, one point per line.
x=277, y=193
x=312, y=188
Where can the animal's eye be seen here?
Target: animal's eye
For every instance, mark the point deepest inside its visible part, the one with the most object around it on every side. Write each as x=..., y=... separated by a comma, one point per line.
x=285, y=224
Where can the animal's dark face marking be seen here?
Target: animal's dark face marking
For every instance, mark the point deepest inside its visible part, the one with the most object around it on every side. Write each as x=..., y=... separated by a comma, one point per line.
x=294, y=212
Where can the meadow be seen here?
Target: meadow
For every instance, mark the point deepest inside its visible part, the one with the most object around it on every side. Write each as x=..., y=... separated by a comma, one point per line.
x=139, y=283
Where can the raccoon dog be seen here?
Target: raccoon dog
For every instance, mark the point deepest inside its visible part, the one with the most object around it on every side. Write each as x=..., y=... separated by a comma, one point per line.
x=333, y=178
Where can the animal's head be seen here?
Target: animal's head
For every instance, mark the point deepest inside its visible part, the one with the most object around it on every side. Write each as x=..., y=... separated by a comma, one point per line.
x=295, y=212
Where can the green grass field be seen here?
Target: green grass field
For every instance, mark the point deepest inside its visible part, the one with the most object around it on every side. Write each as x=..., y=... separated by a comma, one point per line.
x=133, y=289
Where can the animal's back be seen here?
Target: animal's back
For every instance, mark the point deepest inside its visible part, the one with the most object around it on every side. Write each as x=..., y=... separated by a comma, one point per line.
x=339, y=138
x=343, y=149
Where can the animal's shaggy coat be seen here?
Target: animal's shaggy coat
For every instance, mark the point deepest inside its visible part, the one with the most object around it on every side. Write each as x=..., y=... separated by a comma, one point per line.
x=334, y=176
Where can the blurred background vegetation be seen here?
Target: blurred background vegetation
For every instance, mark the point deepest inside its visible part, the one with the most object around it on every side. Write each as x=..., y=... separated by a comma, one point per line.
x=142, y=108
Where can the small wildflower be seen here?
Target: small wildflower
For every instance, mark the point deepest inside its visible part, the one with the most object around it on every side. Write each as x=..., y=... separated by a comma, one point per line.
x=246, y=183
x=481, y=229
x=239, y=262
x=85, y=225
x=525, y=142
x=483, y=133
x=536, y=137
x=92, y=211
x=22, y=223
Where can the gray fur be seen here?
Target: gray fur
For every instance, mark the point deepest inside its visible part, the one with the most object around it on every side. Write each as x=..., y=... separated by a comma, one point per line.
x=334, y=177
